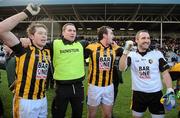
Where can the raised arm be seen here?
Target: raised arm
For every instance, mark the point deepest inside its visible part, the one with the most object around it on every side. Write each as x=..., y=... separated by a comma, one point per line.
x=9, y=23
x=9, y=39
x=123, y=62
x=123, y=59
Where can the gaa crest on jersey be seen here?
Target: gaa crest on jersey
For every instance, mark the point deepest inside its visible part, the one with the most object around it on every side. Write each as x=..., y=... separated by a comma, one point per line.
x=150, y=61
x=104, y=63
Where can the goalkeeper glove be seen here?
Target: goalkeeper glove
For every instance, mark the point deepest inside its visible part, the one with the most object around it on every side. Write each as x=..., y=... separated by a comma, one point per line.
x=31, y=9
x=128, y=47
x=168, y=100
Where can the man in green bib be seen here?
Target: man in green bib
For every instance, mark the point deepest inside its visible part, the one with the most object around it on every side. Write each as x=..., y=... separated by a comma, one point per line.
x=68, y=62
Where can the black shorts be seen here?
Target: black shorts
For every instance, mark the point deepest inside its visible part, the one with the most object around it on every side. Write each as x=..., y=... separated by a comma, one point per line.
x=141, y=101
x=1, y=108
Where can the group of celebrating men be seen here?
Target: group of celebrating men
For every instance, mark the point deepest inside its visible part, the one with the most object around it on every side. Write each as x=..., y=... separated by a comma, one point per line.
x=64, y=57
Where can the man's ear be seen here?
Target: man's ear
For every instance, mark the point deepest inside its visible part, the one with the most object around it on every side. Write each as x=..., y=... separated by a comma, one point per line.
x=31, y=37
x=62, y=33
x=136, y=40
x=104, y=35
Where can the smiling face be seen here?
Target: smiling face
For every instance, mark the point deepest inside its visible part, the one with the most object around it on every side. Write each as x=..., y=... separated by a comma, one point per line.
x=143, y=41
x=69, y=32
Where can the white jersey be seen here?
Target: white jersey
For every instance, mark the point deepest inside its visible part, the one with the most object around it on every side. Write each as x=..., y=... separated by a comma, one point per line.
x=145, y=71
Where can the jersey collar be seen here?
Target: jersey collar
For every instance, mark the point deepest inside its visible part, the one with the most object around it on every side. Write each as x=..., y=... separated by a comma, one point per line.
x=67, y=42
x=104, y=46
x=143, y=53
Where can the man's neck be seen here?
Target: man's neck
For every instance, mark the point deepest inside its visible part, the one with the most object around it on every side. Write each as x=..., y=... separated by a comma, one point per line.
x=39, y=47
x=66, y=41
x=141, y=50
x=104, y=43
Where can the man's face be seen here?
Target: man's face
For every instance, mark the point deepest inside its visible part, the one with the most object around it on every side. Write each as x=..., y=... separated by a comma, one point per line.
x=40, y=37
x=109, y=36
x=69, y=33
x=143, y=41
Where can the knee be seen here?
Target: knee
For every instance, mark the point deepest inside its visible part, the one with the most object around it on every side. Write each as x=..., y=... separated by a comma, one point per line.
x=107, y=115
x=91, y=114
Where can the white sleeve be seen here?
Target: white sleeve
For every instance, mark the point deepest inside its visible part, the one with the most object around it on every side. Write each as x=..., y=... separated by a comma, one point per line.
x=160, y=55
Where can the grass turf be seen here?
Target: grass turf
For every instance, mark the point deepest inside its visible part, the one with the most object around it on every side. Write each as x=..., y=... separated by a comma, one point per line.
x=121, y=107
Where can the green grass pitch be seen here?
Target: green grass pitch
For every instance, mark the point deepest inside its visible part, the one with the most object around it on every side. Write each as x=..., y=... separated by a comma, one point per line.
x=121, y=107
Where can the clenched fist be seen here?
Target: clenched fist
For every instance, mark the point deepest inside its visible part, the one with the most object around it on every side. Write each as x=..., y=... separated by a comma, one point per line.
x=32, y=9
x=128, y=47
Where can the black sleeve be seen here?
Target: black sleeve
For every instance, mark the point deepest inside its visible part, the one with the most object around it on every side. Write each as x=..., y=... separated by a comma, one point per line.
x=119, y=52
x=163, y=65
x=49, y=45
x=129, y=61
x=50, y=72
x=87, y=52
x=85, y=43
x=18, y=49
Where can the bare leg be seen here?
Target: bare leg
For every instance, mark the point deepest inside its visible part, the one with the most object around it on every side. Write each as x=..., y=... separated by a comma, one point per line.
x=107, y=111
x=92, y=111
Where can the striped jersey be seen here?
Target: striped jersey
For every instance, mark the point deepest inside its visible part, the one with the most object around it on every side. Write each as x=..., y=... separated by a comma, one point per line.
x=32, y=66
x=101, y=62
x=175, y=72
x=176, y=67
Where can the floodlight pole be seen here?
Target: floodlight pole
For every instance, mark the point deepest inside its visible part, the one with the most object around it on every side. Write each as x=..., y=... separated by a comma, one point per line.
x=161, y=34
x=52, y=29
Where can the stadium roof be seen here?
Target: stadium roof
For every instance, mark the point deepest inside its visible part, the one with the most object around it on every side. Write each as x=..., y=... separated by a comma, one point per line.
x=60, y=2
x=136, y=14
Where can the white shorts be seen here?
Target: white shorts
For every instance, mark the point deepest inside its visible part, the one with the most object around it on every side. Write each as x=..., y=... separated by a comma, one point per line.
x=27, y=108
x=100, y=95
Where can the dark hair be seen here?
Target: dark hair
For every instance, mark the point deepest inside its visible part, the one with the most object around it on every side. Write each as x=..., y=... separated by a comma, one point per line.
x=102, y=30
x=137, y=34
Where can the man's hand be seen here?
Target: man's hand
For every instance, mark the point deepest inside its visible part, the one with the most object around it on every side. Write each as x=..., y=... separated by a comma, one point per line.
x=168, y=100
x=128, y=47
x=32, y=9
x=25, y=42
x=114, y=43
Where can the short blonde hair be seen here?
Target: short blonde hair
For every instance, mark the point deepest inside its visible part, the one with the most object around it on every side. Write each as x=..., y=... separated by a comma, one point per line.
x=138, y=33
x=32, y=28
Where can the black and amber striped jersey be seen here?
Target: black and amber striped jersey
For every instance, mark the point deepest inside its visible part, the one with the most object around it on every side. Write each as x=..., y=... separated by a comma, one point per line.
x=175, y=72
x=32, y=65
x=175, y=68
x=101, y=62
